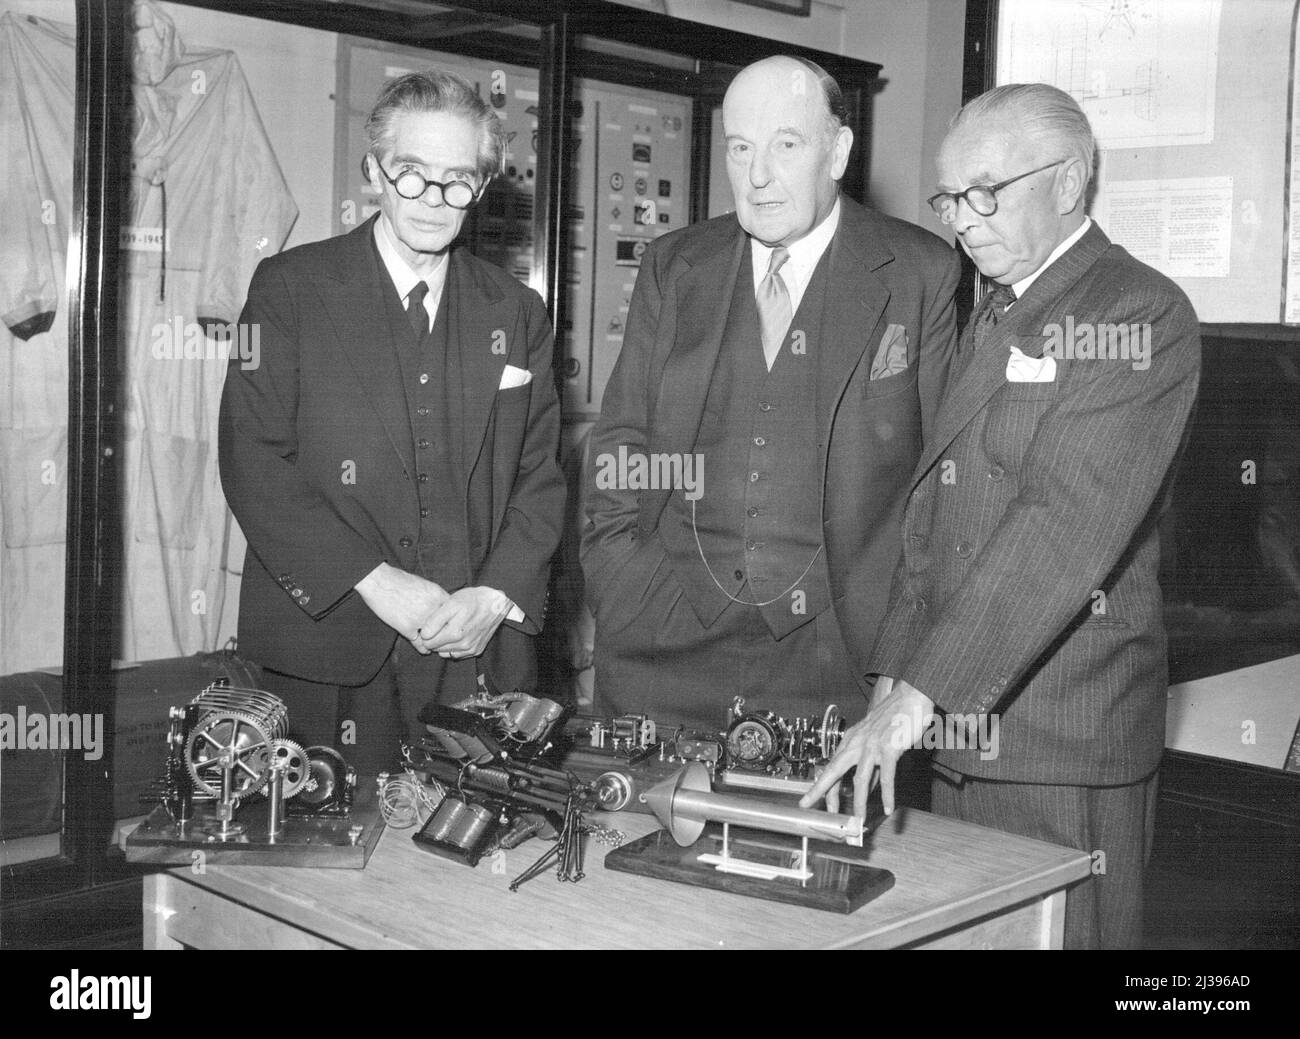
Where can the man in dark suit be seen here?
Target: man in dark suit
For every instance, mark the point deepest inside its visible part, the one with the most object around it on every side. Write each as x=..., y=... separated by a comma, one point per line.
x=392, y=458
x=1027, y=606
x=780, y=370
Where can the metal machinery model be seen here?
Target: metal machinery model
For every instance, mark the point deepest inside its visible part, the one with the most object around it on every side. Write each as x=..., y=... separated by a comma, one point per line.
x=489, y=761
x=227, y=748
x=493, y=771
x=738, y=838
x=758, y=750
x=758, y=859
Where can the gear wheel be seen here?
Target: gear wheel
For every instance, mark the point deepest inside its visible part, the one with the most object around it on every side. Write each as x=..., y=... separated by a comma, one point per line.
x=831, y=731
x=297, y=768
x=239, y=735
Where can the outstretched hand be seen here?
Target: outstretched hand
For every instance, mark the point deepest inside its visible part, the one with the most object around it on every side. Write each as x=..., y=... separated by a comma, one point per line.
x=894, y=723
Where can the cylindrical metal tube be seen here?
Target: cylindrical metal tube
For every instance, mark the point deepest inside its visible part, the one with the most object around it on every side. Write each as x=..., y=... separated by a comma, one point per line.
x=705, y=806
x=275, y=800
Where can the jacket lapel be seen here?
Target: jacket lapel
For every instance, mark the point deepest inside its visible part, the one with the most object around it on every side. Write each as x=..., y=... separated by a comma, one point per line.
x=704, y=299
x=356, y=304
x=481, y=328
x=984, y=373
x=854, y=307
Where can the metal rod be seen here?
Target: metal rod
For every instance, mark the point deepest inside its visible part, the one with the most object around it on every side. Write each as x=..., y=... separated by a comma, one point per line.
x=703, y=806
x=275, y=800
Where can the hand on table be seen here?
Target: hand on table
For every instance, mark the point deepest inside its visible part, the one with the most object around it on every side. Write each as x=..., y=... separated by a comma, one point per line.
x=893, y=725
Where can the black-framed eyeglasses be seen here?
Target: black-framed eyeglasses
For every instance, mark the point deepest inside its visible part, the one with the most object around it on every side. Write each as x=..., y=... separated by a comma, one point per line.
x=982, y=198
x=412, y=184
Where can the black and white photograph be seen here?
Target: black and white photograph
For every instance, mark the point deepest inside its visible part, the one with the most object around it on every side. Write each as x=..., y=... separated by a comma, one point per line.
x=652, y=475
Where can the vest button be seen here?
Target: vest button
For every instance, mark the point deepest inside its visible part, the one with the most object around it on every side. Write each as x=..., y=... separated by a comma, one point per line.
x=422, y=444
x=424, y=378
x=751, y=545
x=996, y=473
x=760, y=441
x=423, y=477
x=406, y=542
x=963, y=548
x=919, y=605
x=751, y=511
x=740, y=575
x=765, y=406
x=422, y=410
x=424, y=513
x=753, y=477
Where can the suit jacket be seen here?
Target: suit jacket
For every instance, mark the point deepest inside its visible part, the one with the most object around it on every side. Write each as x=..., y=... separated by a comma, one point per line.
x=1028, y=585
x=882, y=272
x=318, y=460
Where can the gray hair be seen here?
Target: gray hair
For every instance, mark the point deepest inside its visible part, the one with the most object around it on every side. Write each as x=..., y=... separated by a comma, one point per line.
x=436, y=91
x=1042, y=112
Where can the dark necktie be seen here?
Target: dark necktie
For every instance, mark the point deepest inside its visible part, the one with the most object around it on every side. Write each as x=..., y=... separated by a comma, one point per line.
x=774, y=311
x=415, y=312
x=991, y=310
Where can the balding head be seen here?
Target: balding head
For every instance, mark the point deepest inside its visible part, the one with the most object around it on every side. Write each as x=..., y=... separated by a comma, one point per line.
x=800, y=77
x=787, y=147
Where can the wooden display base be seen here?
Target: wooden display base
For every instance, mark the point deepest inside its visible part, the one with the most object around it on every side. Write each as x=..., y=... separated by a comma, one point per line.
x=841, y=881
x=325, y=841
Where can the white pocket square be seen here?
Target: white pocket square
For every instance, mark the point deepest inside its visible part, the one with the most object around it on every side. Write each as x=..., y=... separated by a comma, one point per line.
x=1021, y=368
x=512, y=377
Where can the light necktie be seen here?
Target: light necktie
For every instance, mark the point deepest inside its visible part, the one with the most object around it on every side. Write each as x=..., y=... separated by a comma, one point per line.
x=992, y=308
x=774, y=311
x=415, y=312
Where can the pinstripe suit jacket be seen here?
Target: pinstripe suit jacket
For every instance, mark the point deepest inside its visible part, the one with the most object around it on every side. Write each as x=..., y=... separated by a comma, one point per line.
x=1028, y=582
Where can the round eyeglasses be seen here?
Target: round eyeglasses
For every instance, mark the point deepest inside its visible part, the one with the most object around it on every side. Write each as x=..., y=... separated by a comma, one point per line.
x=982, y=198
x=412, y=184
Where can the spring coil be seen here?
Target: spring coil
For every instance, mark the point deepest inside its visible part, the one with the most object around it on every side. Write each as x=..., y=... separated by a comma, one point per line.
x=405, y=801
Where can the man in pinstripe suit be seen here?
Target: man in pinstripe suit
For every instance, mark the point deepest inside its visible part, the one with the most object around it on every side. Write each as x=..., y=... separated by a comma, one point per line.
x=1027, y=595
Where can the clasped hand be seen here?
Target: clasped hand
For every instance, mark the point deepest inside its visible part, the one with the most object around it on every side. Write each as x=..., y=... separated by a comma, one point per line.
x=422, y=612
x=464, y=623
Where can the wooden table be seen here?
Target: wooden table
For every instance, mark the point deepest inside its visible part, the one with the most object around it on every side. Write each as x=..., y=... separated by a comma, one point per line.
x=957, y=886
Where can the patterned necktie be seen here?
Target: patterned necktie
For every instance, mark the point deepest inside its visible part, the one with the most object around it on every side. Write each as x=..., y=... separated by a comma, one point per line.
x=992, y=307
x=774, y=311
x=415, y=312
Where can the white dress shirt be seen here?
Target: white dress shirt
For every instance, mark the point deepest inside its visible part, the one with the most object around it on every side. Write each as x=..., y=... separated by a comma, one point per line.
x=1022, y=286
x=797, y=271
x=400, y=271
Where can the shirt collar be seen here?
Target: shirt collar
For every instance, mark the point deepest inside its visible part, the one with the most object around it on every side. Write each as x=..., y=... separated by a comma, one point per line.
x=1022, y=286
x=804, y=254
x=399, y=270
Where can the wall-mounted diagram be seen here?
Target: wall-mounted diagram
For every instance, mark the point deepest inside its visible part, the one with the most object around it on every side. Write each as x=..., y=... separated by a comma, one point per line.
x=1144, y=71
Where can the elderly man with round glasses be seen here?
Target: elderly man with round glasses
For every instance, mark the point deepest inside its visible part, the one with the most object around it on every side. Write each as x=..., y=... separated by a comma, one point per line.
x=392, y=459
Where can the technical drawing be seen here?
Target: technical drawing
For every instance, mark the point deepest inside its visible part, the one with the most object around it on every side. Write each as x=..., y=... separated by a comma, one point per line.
x=1143, y=70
